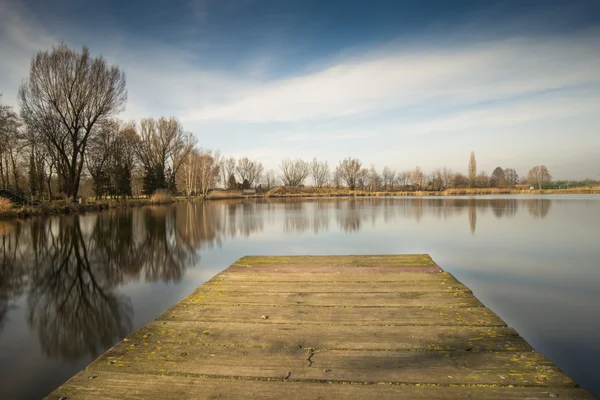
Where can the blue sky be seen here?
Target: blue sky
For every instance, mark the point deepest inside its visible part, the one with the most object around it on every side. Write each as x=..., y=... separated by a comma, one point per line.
x=396, y=83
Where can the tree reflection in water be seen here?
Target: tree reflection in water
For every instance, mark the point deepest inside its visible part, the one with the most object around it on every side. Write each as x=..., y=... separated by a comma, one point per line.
x=71, y=300
x=71, y=267
x=78, y=262
x=13, y=273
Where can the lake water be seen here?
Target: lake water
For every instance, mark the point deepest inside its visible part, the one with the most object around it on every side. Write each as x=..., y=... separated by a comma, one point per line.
x=72, y=286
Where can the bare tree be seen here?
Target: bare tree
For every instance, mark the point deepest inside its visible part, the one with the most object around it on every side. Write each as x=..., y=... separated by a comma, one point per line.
x=227, y=168
x=437, y=179
x=482, y=180
x=511, y=177
x=249, y=171
x=102, y=146
x=293, y=172
x=539, y=175
x=349, y=171
x=74, y=91
x=460, y=181
x=320, y=172
x=270, y=179
x=389, y=176
x=417, y=178
x=403, y=178
x=372, y=179
x=163, y=146
x=447, y=176
x=208, y=170
x=472, y=170
x=11, y=148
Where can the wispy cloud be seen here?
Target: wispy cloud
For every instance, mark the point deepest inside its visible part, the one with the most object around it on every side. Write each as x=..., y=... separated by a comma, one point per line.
x=471, y=74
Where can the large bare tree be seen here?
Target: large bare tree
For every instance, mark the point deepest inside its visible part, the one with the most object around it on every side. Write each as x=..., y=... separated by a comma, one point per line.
x=320, y=172
x=66, y=94
x=293, y=172
x=163, y=145
x=249, y=171
x=349, y=171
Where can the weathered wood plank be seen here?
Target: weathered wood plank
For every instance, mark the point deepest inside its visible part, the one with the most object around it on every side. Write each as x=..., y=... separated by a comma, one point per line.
x=353, y=275
x=414, y=338
x=341, y=287
x=398, y=299
x=425, y=367
x=406, y=299
x=304, y=269
x=117, y=386
x=391, y=260
x=436, y=316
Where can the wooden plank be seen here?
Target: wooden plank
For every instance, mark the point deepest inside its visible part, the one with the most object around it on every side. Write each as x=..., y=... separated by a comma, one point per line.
x=345, y=287
x=393, y=260
x=406, y=299
x=117, y=386
x=425, y=367
x=413, y=338
x=436, y=316
x=352, y=275
x=306, y=269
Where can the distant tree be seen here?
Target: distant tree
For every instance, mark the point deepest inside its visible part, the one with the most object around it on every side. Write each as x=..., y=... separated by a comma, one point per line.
x=349, y=171
x=66, y=94
x=403, y=178
x=270, y=179
x=320, y=172
x=437, y=180
x=246, y=184
x=208, y=170
x=447, y=178
x=460, y=181
x=498, y=178
x=227, y=167
x=539, y=176
x=472, y=170
x=417, y=178
x=231, y=183
x=372, y=178
x=388, y=176
x=511, y=177
x=249, y=171
x=482, y=180
x=293, y=172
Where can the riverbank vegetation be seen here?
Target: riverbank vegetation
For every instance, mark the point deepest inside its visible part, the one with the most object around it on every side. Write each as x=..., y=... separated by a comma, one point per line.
x=65, y=150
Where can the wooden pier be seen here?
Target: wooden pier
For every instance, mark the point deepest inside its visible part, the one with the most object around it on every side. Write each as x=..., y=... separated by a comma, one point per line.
x=325, y=327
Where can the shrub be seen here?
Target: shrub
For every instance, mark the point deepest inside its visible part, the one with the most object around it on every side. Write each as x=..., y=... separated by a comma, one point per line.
x=5, y=204
x=161, y=196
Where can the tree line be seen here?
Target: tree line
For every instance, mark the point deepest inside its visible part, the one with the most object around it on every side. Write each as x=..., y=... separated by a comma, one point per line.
x=67, y=131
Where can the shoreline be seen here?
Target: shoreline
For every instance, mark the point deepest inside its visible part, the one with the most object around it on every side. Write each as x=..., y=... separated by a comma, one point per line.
x=281, y=192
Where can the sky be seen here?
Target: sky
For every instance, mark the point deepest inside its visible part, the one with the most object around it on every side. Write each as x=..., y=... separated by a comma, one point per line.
x=394, y=83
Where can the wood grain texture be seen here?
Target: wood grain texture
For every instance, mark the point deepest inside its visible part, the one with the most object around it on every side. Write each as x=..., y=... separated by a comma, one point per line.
x=117, y=386
x=310, y=327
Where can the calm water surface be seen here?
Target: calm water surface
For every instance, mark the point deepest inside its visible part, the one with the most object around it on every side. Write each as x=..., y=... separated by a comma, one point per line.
x=72, y=286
